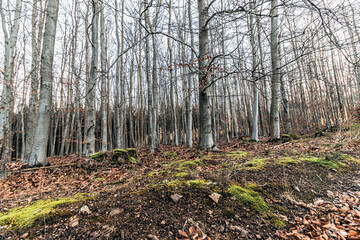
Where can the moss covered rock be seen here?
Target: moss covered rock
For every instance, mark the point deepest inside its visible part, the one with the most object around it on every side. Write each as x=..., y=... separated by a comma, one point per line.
x=26, y=216
x=249, y=198
x=99, y=156
x=117, y=156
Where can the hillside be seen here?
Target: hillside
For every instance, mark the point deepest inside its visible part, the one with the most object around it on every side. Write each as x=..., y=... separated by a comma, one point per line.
x=306, y=188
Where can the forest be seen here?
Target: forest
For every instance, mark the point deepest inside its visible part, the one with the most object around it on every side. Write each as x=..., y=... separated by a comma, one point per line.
x=180, y=119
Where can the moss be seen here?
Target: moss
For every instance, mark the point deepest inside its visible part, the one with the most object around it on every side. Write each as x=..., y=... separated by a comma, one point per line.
x=182, y=174
x=286, y=138
x=190, y=163
x=25, y=216
x=133, y=160
x=286, y=161
x=248, y=198
x=98, y=156
x=238, y=154
x=132, y=152
x=99, y=179
x=325, y=162
x=119, y=151
x=176, y=184
x=342, y=157
x=226, y=164
x=254, y=187
x=256, y=163
x=153, y=173
x=170, y=155
x=198, y=183
x=278, y=222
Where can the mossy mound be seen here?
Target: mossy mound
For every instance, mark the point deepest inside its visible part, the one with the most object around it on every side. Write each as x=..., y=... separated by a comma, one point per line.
x=238, y=154
x=249, y=198
x=190, y=163
x=256, y=163
x=26, y=216
x=99, y=156
x=117, y=157
x=285, y=138
x=325, y=162
x=178, y=184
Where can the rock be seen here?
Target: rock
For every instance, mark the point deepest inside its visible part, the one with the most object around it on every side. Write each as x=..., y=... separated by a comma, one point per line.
x=95, y=234
x=74, y=221
x=176, y=197
x=85, y=209
x=215, y=197
x=24, y=235
x=239, y=229
x=116, y=211
x=151, y=236
x=297, y=188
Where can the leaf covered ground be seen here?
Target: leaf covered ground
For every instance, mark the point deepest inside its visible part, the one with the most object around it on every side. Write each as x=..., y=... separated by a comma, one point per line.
x=307, y=188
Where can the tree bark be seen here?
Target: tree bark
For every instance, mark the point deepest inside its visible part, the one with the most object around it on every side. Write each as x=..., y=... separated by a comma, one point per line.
x=275, y=77
x=205, y=137
x=90, y=98
x=38, y=153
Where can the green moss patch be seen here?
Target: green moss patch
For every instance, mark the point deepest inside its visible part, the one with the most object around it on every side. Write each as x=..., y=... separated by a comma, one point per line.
x=182, y=174
x=238, y=154
x=256, y=163
x=325, y=162
x=26, y=216
x=190, y=163
x=99, y=156
x=170, y=155
x=198, y=183
x=286, y=161
x=249, y=198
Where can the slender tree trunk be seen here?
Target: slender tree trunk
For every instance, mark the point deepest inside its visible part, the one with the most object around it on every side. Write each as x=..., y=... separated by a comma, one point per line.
x=104, y=135
x=38, y=153
x=205, y=137
x=254, y=75
x=275, y=77
x=90, y=98
x=189, y=113
x=5, y=100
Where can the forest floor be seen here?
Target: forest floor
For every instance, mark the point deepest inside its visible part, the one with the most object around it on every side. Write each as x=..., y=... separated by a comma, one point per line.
x=308, y=188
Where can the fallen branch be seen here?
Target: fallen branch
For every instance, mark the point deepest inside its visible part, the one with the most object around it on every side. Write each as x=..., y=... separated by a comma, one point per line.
x=46, y=167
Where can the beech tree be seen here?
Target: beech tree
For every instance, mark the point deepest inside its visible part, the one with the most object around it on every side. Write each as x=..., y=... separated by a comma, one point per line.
x=39, y=149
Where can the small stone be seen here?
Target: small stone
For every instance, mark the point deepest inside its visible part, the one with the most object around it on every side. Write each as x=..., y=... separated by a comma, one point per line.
x=215, y=197
x=95, y=234
x=116, y=211
x=85, y=209
x=153, y=237
x=24, y=235
x=74, y=221
x=163, y=222
x=176, y=197
x=258, y=236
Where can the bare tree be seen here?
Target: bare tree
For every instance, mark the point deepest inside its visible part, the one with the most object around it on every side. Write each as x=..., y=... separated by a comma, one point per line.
x=39, y=151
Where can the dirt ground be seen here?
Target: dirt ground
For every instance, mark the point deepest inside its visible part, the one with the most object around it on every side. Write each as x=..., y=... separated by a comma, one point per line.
x=309, y=188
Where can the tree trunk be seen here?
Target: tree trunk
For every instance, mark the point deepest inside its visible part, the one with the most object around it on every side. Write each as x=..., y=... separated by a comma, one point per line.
x=90, y=98
x=205, y=137
x=38, y=153
x=5, y=107
x=275, y=77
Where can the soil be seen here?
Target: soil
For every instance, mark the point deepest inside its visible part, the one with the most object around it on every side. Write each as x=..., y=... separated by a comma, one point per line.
x=134, y=201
